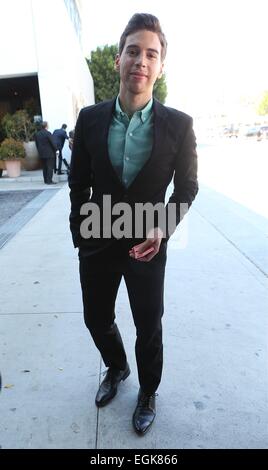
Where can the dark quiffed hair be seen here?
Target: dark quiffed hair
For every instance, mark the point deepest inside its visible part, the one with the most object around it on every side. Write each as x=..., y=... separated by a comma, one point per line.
x=64, y=126
x=44, y=125
x=141, y=21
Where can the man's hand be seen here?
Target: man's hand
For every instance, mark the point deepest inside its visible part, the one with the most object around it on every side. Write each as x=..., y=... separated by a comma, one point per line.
x=146, y=250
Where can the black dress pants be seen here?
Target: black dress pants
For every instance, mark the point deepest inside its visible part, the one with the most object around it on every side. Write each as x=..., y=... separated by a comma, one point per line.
x=48, y=167
x=100, y=277
x=58, y=167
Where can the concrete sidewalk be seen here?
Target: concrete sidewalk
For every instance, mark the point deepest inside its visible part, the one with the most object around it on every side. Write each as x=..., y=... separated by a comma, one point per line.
x=29, y=179
x=214, y=388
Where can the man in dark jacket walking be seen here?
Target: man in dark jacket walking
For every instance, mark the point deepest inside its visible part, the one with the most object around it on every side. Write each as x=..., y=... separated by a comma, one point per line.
x=60, y=135
x=47, y=152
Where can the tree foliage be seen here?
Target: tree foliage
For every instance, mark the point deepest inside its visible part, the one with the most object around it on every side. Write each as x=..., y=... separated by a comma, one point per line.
x=263, y=105
x=106, y=78
x=19, y=126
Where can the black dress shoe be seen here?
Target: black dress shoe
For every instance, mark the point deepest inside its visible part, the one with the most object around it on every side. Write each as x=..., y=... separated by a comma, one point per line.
x=144, y=413
x=108, y=387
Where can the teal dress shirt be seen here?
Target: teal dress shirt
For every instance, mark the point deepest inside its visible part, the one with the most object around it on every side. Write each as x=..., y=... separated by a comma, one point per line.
x=130, y=141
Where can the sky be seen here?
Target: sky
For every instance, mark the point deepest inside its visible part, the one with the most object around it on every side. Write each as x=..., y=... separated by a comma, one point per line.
x=217, y=50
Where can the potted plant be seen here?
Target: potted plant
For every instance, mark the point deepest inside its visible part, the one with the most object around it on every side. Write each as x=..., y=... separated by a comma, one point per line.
x=20, y=127
x=12, y=152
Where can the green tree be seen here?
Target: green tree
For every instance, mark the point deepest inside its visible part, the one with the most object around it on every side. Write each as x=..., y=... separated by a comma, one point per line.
x=160, y=89
x=106, y=79
x=263, y=105
x=19, y=126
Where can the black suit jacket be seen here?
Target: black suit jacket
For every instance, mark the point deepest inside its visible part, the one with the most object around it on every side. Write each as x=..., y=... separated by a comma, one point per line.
x=92, y=174
x=59, y=137
x=45, y=144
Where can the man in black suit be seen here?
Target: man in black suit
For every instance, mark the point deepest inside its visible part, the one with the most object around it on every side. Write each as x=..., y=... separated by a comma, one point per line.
x=60, y=135
x=47, y=152
x=126, y=152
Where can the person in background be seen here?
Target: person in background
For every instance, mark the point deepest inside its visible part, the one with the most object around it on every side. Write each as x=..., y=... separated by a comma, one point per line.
x=60, y=135
x=47, y=151
x=71, y=139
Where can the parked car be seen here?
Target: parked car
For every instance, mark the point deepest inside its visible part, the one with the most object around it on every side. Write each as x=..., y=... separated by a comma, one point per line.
x=262, y=133
x=231, y=131
x=252, y=131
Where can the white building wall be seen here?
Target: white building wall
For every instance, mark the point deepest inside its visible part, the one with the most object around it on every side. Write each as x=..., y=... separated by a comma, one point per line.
x=37, y=36
x=17, y=45
x=64, y=78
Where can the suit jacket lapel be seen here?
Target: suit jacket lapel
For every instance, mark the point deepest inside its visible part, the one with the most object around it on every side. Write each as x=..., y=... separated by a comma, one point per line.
x=100, y=130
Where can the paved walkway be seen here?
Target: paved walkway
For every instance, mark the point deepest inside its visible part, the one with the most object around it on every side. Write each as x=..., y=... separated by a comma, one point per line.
x=29, y=180
x=214, y=388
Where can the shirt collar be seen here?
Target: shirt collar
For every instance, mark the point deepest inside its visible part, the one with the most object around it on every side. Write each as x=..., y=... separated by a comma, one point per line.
x=142, y=113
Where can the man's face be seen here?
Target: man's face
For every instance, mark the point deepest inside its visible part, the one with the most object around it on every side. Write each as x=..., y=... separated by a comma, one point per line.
x=140, y=63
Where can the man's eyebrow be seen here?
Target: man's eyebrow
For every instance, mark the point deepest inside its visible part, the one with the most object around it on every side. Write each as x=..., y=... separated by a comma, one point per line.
x=153, y=50
x=137, y=47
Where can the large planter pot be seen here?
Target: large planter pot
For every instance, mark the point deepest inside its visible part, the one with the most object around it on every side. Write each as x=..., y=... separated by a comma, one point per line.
x=2, y=165
x=32, y=160
x=13, y=168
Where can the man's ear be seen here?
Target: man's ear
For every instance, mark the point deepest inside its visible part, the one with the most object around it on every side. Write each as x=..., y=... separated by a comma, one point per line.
x=117, y=63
